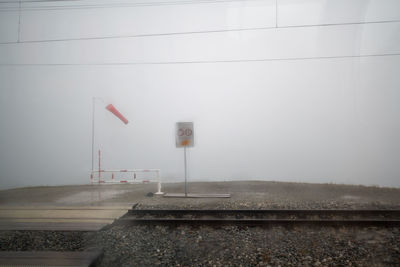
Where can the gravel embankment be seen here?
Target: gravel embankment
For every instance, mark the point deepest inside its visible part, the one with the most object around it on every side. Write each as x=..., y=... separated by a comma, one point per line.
x=244, y=246
x=225, y=246
x=248, y=246
x=43, y=240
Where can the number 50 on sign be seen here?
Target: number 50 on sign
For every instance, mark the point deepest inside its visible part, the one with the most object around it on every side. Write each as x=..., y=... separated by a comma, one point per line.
x=184, y=134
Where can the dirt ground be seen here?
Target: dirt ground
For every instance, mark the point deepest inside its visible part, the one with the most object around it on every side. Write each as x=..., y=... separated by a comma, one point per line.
x=244, y=194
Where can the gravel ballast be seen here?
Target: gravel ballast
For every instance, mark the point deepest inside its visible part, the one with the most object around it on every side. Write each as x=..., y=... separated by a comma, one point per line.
x=248, y=246
x=223, y=246
x=44, y=240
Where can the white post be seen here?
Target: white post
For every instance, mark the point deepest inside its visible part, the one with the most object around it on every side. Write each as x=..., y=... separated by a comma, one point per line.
x=159, y=184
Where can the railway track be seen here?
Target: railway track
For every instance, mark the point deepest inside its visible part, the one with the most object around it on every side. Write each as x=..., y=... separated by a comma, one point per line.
x=379, y=218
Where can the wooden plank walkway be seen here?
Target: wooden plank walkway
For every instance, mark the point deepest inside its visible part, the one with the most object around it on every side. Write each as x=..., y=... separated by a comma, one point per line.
x=57, y=213
x=49, y=258
x=62, y=207
x=59, y=218
x=42, y=226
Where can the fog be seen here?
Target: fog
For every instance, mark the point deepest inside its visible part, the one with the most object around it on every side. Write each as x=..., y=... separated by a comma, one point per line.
x=274, y=94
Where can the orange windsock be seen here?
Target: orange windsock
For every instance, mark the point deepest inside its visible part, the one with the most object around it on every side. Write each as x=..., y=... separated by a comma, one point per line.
x=114, y=111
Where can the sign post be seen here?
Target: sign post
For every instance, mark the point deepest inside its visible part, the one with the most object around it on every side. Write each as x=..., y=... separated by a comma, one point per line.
x=184, y=152
x=184, y=137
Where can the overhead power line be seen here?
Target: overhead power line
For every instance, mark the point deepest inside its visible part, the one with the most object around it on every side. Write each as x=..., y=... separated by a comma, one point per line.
x=37, y=1
x=198, y=61
x=19, y=23
x=195, y=32
x=115, y=5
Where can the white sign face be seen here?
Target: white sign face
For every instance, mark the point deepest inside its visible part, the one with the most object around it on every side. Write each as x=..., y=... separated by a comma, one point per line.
x=184, y=134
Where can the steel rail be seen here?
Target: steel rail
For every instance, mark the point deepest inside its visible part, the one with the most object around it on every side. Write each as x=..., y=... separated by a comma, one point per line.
x=257, y=222
x=381, y=218
x=247, y=212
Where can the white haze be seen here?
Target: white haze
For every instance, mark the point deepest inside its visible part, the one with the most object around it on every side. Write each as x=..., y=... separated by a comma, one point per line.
x=319, y=118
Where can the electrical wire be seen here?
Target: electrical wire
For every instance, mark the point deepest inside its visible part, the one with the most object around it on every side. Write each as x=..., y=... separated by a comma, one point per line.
x=19, y=22
x=118, y=5
x=198, y=61
x=38, y=1
x=196, y=32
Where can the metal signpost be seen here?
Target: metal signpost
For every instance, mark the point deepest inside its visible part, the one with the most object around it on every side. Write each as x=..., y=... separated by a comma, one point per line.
x=184, y=137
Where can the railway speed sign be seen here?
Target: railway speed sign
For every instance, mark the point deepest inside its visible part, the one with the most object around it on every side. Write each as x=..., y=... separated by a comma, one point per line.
x=184, y=134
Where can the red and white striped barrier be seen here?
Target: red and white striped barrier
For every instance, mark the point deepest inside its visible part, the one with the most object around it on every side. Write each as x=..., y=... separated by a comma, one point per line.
x=131, y=179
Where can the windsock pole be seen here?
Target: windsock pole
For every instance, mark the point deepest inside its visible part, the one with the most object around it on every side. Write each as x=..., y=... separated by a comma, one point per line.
x=93, y=111
x=113, y=110
x=99, y=165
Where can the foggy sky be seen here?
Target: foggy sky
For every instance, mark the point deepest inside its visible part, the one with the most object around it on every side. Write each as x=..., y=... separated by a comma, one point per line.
x=310, y=111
